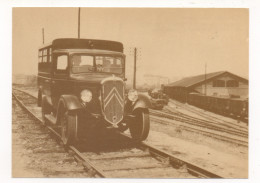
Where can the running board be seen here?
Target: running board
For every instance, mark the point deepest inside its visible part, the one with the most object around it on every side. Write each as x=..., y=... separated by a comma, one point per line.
x=50, y=118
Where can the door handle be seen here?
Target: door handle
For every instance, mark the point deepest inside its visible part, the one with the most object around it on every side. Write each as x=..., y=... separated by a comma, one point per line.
x=53, y=82
x=46, y=81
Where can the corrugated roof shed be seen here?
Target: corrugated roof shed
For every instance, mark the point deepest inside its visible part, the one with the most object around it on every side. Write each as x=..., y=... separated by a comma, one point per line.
x=190, y=81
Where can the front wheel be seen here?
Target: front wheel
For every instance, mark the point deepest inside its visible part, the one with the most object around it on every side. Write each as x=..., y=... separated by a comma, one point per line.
x=140, y=125
x=68, y=124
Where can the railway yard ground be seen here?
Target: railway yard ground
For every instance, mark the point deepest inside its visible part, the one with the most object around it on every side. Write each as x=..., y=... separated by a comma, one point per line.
x=37, y=154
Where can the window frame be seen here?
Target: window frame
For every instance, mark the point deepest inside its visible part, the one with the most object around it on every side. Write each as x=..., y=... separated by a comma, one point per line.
x=49, y=55
x=94, y=64
x=216, y=83
x=55, y=58
x=45, y=55
x=39, y=56
x=236, y=84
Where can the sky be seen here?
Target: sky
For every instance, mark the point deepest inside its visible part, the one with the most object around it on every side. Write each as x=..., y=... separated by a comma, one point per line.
x=172, y=42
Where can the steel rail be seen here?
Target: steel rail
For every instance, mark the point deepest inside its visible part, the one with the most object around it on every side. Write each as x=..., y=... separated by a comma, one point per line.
x=35, y=117
x=198, y=123
x=209, y=124
x=86, y=163
x=200, y=113
x=212, y=122
x=78, y=156
x=206, y=133
x=173, y=160
x=193, y=169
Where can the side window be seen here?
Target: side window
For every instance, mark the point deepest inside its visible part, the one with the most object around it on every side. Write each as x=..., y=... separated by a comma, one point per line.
x=40, y=56
x=118, y=61
x=50, y=53
x=43, y=65
x=232, y=83
x=219, y=83
x=44, y=59
x=62, y=63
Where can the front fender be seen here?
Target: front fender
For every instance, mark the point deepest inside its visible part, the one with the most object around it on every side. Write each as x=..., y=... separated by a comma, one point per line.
x=142, y=102
x=71, y=102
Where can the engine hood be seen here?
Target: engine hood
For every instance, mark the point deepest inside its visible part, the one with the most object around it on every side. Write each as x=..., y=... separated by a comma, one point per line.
x=93, y=77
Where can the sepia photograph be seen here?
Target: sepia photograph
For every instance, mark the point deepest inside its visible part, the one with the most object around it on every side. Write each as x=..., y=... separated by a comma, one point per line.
x=130, y=92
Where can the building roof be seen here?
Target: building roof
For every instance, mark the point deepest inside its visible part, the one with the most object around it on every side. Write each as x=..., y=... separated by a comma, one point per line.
x=199, y=79
x=157, y=76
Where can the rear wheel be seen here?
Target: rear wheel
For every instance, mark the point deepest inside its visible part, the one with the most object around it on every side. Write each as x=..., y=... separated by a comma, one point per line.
x=39, y=101
x=46, y=109
x=68, y=124
x=140, y=126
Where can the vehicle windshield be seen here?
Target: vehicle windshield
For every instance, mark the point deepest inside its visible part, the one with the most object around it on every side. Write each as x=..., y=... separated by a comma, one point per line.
x=96, y=63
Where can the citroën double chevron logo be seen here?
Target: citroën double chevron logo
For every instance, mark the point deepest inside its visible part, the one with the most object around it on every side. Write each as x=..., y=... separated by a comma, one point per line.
x=113, y=93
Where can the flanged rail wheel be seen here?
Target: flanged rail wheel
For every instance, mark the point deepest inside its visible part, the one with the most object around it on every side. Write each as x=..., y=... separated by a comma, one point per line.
x=68, y=124
x=39, y=99
x=46, y=109
x=140, y=126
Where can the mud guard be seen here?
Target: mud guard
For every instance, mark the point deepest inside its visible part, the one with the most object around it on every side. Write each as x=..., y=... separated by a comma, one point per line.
x=139, y=123
x=142, y=102
x=71, y=102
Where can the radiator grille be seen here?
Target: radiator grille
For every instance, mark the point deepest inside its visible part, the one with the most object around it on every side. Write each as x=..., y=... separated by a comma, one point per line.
x=113, y=100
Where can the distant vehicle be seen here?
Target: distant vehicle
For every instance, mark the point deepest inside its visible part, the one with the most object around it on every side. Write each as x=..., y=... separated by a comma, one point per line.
x=82, y=89
x=158, y=99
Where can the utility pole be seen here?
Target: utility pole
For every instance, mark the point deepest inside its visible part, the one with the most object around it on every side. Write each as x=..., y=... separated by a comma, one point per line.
x=79, y=24
x=205, y=78
x=42, y=35
x=134, y=81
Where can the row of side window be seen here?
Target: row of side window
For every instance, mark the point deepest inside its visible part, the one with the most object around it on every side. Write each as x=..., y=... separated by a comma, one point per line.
x=44, y=55
x=222, y=83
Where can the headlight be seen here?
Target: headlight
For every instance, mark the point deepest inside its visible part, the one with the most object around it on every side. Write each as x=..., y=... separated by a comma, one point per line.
x=86, y=95
x=132, y=95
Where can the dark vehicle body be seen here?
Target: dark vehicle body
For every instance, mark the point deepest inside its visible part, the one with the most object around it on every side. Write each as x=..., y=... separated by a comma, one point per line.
x=235, y=107
x=158, y=99
x=81, y=87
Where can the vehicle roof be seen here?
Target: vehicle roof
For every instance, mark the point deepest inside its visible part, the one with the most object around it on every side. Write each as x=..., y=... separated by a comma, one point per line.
x=90, y=51
x=45, y=45
x=74, y=43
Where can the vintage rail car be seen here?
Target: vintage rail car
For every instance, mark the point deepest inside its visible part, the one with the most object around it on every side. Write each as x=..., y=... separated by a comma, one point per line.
x=235, y=107
x=158, y=99
x=82, y=88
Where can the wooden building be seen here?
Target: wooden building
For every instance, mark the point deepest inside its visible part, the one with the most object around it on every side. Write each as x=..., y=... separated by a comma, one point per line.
x=219, y=84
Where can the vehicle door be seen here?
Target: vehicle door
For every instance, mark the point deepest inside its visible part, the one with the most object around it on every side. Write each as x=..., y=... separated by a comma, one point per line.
x=60, y=80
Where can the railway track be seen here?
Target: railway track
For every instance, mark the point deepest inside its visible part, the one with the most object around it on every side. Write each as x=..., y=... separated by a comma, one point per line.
x=203, y=132
x=201, y=127
x=212, y=118
x=223, y=124
x=201, y=123
x=47, y=157
x=118, y=155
